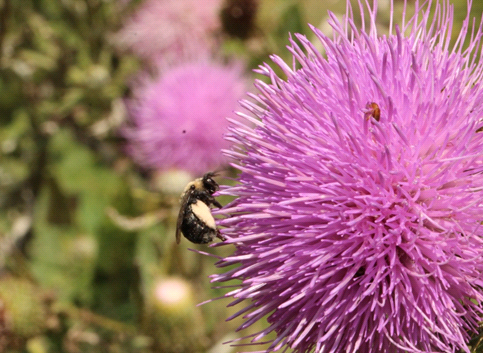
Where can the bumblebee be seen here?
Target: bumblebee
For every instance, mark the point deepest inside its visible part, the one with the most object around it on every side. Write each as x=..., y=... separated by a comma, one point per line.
x=195, y=220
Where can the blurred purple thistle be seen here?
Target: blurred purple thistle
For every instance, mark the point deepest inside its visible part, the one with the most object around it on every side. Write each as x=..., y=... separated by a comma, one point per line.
x=357, y=213
x=180, y=117
x=171, y=30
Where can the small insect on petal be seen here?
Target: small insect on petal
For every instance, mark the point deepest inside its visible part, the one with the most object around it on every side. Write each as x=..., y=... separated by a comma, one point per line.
x=373, y=111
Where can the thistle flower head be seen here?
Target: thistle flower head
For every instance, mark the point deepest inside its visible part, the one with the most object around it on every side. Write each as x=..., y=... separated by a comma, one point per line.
x=179, y=118
x=171, y=29
x=357, y=213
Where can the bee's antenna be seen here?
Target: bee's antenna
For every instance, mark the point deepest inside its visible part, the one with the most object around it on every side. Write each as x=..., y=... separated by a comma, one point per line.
x=212, y=174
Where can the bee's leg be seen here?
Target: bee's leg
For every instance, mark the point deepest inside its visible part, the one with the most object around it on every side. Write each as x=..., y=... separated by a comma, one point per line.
x=216, y=203
x=219, y=236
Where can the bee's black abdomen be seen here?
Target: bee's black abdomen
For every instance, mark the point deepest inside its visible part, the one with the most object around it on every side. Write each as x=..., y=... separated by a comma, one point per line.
x=194, y=230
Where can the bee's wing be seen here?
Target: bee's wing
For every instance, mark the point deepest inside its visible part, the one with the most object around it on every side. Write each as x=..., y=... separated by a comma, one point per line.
x=182, y=208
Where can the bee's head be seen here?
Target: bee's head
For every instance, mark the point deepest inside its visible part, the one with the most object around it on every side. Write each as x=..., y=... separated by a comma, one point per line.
x=209, y=184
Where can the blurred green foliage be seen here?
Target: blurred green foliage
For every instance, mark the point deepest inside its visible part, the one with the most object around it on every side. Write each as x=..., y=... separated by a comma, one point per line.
x=84, y=237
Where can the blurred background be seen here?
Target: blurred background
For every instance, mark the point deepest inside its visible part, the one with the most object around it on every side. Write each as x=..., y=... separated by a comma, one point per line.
x=107, y=109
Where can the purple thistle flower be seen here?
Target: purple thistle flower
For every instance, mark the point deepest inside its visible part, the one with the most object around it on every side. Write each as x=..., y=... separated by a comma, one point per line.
x=171, y=30
x=357, y=218
x=179, y=118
